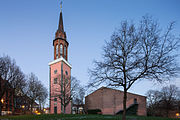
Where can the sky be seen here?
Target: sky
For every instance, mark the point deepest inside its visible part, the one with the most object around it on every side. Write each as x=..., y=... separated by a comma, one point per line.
x=27, y=31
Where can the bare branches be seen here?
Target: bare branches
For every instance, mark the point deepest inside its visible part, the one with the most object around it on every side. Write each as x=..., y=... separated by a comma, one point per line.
x=62, y=90
x=134, y=53
x=160, y=102
x=137, y=53
x=35, y=90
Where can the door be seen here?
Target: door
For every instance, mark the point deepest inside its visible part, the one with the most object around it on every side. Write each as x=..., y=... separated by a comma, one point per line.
x=55, y=110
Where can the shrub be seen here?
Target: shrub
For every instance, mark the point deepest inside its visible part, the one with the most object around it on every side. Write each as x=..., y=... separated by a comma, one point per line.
x=94, y=111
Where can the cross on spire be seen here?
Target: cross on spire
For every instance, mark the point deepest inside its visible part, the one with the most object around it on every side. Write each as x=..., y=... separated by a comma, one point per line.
x=61, y=5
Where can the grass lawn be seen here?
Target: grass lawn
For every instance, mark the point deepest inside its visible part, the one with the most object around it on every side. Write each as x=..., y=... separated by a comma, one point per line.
x=78, y=117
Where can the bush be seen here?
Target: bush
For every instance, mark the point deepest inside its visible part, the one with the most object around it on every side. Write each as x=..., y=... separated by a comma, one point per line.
x=94, y=111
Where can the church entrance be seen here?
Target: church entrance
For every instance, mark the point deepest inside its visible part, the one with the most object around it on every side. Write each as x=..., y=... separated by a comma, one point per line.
x=55, y=110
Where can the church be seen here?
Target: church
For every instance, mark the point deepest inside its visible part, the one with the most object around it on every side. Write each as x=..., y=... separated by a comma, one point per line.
x=109, y=101
x=60, y=72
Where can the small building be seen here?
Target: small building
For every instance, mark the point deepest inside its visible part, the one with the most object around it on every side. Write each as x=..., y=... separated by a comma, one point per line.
x=22, y=105
x=7, y=93
x=14, y=101
x=110, y=101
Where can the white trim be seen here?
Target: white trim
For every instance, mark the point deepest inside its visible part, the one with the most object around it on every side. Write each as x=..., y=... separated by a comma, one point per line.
x=60, y=59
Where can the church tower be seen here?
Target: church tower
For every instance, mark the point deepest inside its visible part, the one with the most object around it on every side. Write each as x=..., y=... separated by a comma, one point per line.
x=60, y=73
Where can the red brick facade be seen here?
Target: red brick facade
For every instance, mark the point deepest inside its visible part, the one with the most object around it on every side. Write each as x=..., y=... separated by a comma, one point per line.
x=110, y=101
x=55, y=88
x=7, y=100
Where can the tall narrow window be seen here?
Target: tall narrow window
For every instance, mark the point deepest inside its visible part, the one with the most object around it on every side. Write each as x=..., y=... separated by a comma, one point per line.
x=65, y=52
x=56, y=51
x=135, y=101
x=55, y=80
x=61, y=50
x=66, y=73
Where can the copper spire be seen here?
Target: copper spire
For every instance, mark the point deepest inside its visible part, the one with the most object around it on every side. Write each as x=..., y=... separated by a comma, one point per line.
x=61, y=27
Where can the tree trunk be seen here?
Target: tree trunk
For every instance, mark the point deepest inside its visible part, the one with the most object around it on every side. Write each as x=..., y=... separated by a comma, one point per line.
x=40, y=105
x=64, y=109
x=167, y=112
x=31, y=107
x=124, y=104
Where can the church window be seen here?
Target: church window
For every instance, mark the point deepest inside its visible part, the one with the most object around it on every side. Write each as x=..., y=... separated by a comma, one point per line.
x=56, y=51
x=55, y=80
x=55, y=71
x=135, y=101
x=61, y=50
x=66, y=73
x=64, y=51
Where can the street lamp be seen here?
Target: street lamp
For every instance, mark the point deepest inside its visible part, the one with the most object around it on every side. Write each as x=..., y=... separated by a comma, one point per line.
x=177, y=115
x=2, y=100
x=23, y=110
x=23, y=106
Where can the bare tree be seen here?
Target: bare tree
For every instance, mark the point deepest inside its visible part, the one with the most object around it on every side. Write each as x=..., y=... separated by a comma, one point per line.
x=78, y=92
x=42, y=96
x=134, y=53
x=12, y=75
x=153, y=98
x=79, y=96
x=74, y=87
x=163, y=101
x=33, y=89
x=169, y=98
x=68, y=92
x=64, y=93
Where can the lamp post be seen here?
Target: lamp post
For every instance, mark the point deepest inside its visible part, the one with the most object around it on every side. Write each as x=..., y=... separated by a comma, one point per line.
x=23, y=108
x=2, y=100
x=1, y=106
x=44, y=110
x=177, y=115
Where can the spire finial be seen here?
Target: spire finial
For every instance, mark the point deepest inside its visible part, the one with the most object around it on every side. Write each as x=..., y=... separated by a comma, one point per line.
x=61, y=28
x=61, y=5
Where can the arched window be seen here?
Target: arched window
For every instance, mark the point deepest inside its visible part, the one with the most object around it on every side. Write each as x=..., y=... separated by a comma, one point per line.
x=56, y=51
x=61, y=49
x=64, y=51
x=66, y=73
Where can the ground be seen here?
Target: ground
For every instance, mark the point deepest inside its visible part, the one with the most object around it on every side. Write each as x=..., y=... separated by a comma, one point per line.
x=77, y=117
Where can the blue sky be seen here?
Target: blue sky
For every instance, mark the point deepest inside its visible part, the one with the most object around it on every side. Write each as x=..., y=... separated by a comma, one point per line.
x=27, y=30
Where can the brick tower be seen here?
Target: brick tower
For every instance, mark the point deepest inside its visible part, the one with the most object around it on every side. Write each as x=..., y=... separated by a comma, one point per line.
x=60, y=73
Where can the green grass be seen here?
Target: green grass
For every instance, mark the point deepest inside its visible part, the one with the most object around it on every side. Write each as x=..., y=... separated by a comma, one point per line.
x=78, y=117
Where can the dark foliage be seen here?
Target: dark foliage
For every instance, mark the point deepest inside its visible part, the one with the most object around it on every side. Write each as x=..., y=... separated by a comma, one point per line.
x=94, y=111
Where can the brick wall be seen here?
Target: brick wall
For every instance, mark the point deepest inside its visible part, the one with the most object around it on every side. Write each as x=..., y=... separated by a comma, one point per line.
x=110, y=101
x=56, y=88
